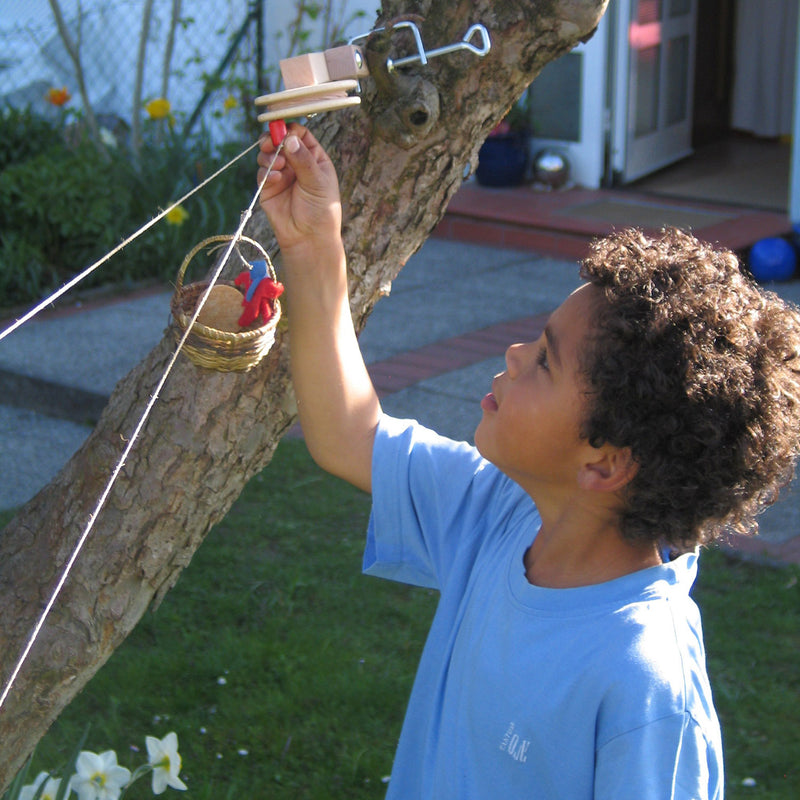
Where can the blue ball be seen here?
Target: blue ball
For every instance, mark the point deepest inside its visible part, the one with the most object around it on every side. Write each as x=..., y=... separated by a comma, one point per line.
x=772, y=259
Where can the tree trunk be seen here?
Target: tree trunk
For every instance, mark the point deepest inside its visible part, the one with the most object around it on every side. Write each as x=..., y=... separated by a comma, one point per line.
x=401, y=156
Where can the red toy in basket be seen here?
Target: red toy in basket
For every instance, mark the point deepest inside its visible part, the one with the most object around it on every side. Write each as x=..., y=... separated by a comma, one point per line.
x=260, y=290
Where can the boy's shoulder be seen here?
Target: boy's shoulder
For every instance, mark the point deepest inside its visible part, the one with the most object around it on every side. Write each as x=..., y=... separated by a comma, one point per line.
x=656, y=643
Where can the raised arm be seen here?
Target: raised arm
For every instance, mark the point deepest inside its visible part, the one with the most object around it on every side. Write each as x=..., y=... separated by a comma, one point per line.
x=336, y=400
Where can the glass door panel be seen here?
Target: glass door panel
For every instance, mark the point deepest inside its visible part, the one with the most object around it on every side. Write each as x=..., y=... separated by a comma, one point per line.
x=648, y=63
x=655, y=57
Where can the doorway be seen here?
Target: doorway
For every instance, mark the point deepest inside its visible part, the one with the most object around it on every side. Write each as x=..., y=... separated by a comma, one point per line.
x=655, y=52
x=742, y=109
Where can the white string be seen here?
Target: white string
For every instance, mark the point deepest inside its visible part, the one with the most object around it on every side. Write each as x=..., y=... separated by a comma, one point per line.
x=90, y=269
x=121, y=463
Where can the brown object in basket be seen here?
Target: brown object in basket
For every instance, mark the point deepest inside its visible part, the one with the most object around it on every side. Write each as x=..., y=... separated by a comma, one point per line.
x=210, y=347
x=222, y=309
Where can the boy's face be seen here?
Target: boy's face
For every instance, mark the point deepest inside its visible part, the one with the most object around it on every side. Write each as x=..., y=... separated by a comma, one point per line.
x=532, y=417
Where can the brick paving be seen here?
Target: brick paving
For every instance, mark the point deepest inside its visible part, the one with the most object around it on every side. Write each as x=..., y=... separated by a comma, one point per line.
x=560, y=223
x=410, y=367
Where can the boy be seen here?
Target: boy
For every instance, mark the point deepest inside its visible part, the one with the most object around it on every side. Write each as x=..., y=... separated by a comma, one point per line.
x=660, y=405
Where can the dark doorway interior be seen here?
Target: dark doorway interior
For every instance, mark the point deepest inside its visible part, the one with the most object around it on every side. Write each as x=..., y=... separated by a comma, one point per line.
x=728, y=165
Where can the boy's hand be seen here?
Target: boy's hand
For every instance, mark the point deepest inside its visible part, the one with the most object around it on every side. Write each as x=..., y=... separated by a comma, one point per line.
x=301, y=194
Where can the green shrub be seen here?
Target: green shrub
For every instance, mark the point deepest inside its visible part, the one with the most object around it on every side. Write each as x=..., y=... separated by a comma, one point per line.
x=164, y=173
x=67, y=208
x=23, y=134
x=63, y=206
x=23, y=269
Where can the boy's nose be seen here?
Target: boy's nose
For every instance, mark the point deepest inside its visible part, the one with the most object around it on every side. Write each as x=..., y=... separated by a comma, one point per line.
x=514, y=358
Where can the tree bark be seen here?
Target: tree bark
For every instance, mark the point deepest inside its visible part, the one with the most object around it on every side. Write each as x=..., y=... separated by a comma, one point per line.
x=400, y=156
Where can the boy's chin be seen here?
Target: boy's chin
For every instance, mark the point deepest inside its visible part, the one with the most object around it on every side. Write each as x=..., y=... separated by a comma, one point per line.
x=479, y=437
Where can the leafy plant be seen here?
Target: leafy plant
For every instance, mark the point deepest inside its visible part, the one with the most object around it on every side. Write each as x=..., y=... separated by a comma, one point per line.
x=66, y=205
x=63, y=208
x=23, y=134
x=23, y=269
x=517, y=121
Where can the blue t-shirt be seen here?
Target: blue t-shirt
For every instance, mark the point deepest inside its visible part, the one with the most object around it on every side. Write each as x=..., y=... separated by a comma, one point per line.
x=525, y=692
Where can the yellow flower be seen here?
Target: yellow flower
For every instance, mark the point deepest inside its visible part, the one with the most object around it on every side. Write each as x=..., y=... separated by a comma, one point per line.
x=177, y=215
x=58, y=96
x=230, y=103
x=158, y=108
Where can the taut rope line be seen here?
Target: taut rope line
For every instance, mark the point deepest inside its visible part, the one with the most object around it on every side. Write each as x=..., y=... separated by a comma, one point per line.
x=90, y=269
x=134, y=436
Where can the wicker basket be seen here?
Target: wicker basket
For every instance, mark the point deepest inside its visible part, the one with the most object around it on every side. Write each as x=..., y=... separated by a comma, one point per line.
x=223, y=351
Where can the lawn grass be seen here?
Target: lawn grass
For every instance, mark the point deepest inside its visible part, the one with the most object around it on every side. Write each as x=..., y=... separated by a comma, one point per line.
x=751, y=620
x=285, y=673
x=271, y=643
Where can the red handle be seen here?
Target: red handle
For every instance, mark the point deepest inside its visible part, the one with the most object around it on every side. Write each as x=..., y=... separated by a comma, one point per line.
x=277, y=131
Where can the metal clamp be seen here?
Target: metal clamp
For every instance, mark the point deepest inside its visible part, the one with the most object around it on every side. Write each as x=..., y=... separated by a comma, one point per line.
x=422, y=56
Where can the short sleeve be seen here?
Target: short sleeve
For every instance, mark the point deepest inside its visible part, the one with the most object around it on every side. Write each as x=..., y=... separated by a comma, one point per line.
x=669, y=759
x=430, y=498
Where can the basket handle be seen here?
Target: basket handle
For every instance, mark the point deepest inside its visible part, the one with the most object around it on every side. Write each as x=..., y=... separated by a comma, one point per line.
x=221, y=238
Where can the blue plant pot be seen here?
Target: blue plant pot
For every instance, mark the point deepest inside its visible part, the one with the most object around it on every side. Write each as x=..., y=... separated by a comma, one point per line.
x=503, y=161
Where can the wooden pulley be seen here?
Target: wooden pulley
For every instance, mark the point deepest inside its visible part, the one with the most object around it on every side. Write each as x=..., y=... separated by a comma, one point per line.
x=314, y=82
x=318, y=82
x=307, y=100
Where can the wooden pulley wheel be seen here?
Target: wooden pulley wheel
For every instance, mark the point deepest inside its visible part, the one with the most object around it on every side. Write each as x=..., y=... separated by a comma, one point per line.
x=307, y=100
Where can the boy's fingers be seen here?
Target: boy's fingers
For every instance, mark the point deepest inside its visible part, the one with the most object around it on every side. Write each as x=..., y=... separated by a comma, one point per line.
x=266, y=160
x=305, y=155
x=273, y=176
x=300, y=159
x=275, y=184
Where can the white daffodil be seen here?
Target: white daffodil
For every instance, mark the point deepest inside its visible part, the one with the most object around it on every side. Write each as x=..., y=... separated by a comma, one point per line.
x=48, y=793
x=108, y=138
x=99, y=777
x=163, y=757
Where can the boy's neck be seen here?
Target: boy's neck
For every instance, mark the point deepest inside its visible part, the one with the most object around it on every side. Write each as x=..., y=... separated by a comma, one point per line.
x=558, y=560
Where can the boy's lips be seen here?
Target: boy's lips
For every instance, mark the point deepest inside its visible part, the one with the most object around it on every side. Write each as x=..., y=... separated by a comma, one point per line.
x=489, y=402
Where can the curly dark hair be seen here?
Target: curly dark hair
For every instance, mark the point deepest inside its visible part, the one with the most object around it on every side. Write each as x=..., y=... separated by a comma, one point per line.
x=696, y=369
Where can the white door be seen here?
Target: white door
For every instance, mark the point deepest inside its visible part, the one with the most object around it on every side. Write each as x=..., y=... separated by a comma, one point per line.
x=568, y=108
x=654, y=77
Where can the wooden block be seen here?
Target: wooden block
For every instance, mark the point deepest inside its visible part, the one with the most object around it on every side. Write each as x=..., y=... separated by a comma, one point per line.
x=306, y=70
x=345, y=62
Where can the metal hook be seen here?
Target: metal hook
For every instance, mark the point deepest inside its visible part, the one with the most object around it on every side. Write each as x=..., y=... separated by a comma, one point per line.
x=401, y=24
x=464, y=44
x=422, y=57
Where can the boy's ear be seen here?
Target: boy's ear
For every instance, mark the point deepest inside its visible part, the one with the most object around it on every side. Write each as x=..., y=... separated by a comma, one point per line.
x=611, y=469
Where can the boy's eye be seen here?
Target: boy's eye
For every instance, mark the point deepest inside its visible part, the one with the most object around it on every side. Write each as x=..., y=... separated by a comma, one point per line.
x=541, y=358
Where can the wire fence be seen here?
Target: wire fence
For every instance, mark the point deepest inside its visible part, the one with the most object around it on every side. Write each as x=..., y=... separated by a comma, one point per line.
x=127, y=59
x=209, y=58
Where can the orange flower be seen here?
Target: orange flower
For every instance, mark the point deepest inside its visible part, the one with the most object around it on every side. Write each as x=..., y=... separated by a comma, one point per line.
x=58, y=96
